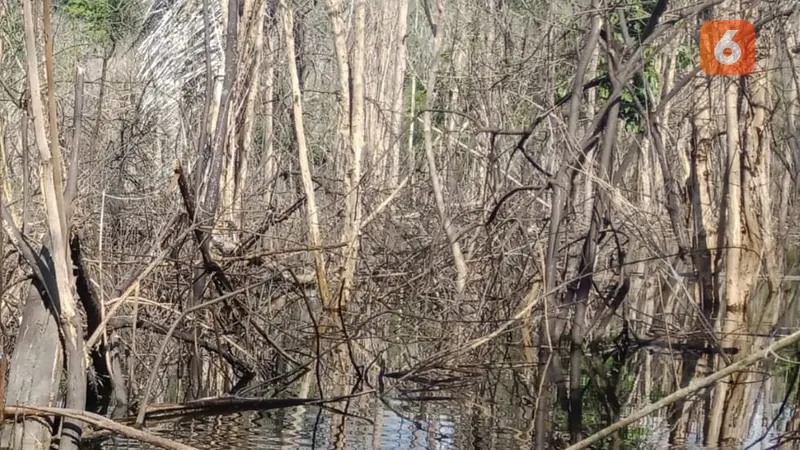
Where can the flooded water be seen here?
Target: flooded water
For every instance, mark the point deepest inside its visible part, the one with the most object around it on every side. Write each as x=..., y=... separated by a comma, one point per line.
x=444, y=429
x=307, y=428
x=500, y=417
x=492, y=406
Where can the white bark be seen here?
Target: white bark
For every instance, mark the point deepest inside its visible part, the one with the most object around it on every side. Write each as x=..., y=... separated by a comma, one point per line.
x=353, y=175
x=312, y=213
x=398, y=84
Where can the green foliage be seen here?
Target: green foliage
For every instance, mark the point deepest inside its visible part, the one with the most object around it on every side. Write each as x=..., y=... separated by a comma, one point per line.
x=635, y=437
x=420, y=94
x=596, y=409
x=104, y=20
x=562, y=90
x=13, y=35
x=651, y=76
x=637, y=13
x=633, y=97
x=317, y=155
x=684, y=58
x=656, y=394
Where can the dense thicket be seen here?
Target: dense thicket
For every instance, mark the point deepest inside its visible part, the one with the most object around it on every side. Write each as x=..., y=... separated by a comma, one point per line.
x=280, y=198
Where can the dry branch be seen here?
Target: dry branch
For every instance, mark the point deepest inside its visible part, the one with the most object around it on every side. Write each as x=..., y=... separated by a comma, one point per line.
x=119, y=300
x=221, y=280
x=241, y=366
x=155, y=369
x=97, y=421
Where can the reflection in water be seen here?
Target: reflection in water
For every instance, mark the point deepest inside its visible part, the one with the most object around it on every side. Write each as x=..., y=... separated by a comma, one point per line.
x=501, y=421
x=280, y=430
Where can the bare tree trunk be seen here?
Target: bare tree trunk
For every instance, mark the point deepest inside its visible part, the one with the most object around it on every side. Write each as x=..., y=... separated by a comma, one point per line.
x=240, y=127
x=210, y=195
x=352, y=179
x=3, y=289
x=215, y=102
x=435, y=19
x=734, y=308
x=70, y=326
x=336, y=12
x=563, y=181
x=75, y=144
x=587, y=262
x=270, y=158
x=257, y=39
x=590, y=106
x=55, y=150
x=312, y=214
x=704, y=208
x=210, y=113
x=98, y=120
x=26, y=170
x=399, y=76
x=412, y=121
x=34, y=372
x=751, y=248
x=5, y=185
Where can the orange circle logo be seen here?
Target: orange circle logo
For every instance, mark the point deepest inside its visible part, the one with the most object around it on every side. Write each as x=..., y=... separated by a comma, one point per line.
x=727, y=47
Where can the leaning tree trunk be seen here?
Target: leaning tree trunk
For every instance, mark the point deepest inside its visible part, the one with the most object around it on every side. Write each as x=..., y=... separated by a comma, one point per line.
x=209, y=194
x=589, y=252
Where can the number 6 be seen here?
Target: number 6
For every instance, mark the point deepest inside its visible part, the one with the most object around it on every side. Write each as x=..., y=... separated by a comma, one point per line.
x=727, y=43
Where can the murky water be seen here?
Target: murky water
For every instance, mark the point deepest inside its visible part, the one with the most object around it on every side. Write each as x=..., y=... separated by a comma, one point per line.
x=500, y=418
x=306, y=428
